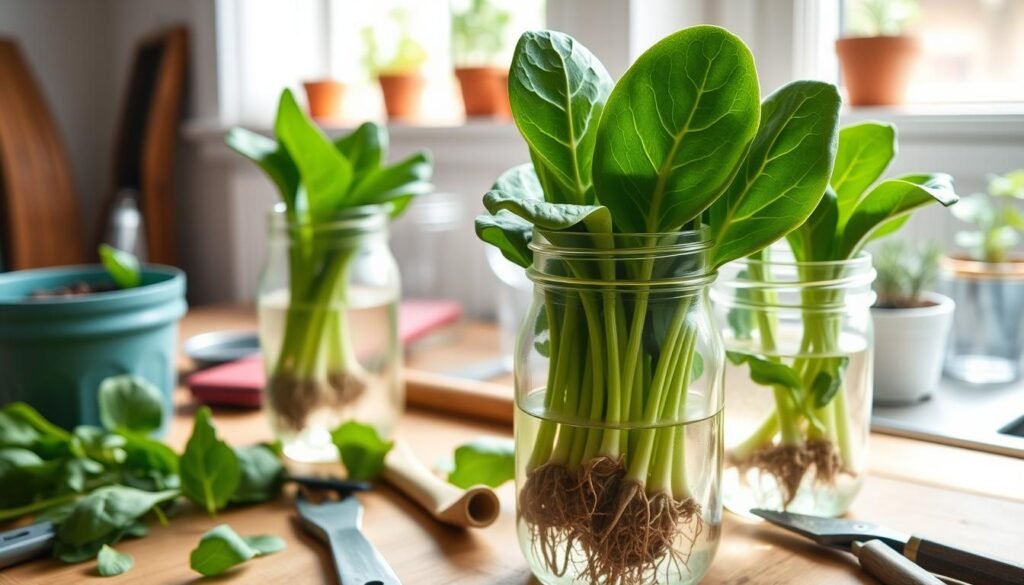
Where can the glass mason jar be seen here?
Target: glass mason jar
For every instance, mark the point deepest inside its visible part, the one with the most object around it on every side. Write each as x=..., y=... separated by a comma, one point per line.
x=798, y=381
x=328, y=321
x=619, y=410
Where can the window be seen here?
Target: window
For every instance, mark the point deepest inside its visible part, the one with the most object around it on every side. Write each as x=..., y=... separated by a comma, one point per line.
x=972, y=50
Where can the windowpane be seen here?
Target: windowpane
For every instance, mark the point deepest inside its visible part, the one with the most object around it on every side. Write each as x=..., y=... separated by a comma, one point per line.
x=972, y=50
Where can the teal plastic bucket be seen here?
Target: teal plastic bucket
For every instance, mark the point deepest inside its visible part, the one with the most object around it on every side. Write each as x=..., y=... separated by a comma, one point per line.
x=55, y=352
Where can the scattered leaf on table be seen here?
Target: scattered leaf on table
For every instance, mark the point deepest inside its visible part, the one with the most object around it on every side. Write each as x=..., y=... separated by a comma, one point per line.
x=362, y=449
x=210, y=471
x=489, y=461
x=110, y=563
x=262, y=475
x=222, y=548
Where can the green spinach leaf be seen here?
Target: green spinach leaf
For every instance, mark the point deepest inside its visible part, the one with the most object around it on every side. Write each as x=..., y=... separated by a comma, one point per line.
x=557, y=91
x=262, y=475
x=130, y=404
x=361, y=449
x=222, y=548
x=111, y=563
x=783, y=175
x=122, y=266
x=272, y=158
x=669, y=143
x=865, y=151
x=509, y=233
x=366, y=148
x=210, y=471
x=488, y=461
x=103, y=516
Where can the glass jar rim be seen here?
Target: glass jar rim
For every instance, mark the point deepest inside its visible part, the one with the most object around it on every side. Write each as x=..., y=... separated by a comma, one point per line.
x=686, y=241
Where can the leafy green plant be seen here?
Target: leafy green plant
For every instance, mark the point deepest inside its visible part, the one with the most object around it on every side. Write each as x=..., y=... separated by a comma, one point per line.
x=98, y=484
x=362, y=450
x=995, y=216
x=872, y=18
x=904, y=272
x=122, y=266
x=478, y=32
x=488, y=461
x=222, y=548
x=408, y=56
x=810, y=416
x=681, y=140
x=111, y=563
x=321, y=182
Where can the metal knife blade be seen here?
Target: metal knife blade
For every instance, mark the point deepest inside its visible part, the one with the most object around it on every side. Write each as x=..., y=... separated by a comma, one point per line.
x=355, y=558
x=834, y=531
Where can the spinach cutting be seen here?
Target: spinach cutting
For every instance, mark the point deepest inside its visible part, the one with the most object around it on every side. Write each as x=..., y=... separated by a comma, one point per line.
x=222, y=548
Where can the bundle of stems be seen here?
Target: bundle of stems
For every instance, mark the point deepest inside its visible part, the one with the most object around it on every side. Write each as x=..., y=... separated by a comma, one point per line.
x=810, y=427
x=332, y=192
x=679, y=146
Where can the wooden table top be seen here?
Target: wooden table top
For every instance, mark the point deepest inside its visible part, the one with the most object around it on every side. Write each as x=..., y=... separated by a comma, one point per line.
x=970, y=498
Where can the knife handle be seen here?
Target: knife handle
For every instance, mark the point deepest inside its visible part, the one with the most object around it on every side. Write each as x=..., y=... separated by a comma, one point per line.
x=358, y=562
x=967, y=566
x=890, y=567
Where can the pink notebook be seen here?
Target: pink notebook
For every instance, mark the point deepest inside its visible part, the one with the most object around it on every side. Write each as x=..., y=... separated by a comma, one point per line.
x=240, y=383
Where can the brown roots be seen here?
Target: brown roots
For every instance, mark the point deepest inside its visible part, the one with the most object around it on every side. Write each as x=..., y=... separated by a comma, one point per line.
x=623, y=533
x=788, y=464
x=295, y=398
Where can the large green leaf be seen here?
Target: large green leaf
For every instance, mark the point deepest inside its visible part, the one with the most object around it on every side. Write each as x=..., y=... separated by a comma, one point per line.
x=520, y=181
x=865, y=151
x=406, y=178
x=108, y=510
x=784, y=174
x=366, y=148
x=325, y=173
x=557, y=91
x=675, y=128
x=269, y=156
x=889, y=201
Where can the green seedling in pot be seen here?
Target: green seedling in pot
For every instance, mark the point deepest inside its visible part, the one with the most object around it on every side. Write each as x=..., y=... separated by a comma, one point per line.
x=122, y=266
x=808, y=429
x=682, y=140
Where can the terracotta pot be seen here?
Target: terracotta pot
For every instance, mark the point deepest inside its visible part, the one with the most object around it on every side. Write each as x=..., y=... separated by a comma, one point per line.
x=324, y=96
x=402, y=94
x=484, y=91
x=876, y=70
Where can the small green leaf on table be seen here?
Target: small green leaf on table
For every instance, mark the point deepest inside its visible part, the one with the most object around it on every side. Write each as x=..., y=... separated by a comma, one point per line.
x=222, y=548
x=210, y=471
x=362, y=449
x=122, y=266
x=130, y=403
x=110, y=563
x=488, y=461
x=262, y=475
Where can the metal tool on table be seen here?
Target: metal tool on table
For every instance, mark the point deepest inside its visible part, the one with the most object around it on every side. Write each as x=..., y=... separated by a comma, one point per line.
x=895, y=558
x=26, y=543
x=338, y=522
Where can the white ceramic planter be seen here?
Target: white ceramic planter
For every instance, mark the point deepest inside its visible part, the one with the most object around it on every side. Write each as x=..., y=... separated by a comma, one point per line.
x=910, y=345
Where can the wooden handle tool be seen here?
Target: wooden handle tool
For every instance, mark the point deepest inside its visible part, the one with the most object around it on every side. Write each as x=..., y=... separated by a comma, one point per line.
x=476, y=507
x=890, y=567
x=964, y=565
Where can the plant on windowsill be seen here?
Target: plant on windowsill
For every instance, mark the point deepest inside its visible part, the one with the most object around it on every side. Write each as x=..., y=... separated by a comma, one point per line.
x=877, y=56
x=988, y=284
x=911, y=322
x=400, y=73
x=478, y=40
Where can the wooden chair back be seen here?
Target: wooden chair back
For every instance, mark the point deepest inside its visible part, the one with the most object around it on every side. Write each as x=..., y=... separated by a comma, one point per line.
x=39, y=214
x=144, y=150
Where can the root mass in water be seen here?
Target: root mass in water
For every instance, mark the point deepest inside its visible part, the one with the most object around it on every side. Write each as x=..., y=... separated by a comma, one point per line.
x=295, y=398
x=624, y=534
x=788, y=464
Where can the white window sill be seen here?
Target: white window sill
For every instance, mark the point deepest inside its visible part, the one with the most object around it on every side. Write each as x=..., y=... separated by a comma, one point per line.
x=995, y=122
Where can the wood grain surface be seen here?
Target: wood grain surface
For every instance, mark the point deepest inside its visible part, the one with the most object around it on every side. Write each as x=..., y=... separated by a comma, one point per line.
x=905, y=491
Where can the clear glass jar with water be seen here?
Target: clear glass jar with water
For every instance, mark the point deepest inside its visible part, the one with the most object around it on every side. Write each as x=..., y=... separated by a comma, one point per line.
x=798, y=381
x=328, y=321
x=619, y=410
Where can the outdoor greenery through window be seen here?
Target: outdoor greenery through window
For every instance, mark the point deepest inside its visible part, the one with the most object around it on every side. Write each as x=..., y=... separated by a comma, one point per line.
x=972, y=50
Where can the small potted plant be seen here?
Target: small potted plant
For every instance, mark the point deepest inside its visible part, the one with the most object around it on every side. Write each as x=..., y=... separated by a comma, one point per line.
x=324, y=94
x=911, y=322
x=399, y=74
x=478, y=40
x=878, y=57
x=988, y=285
x=64, y=330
